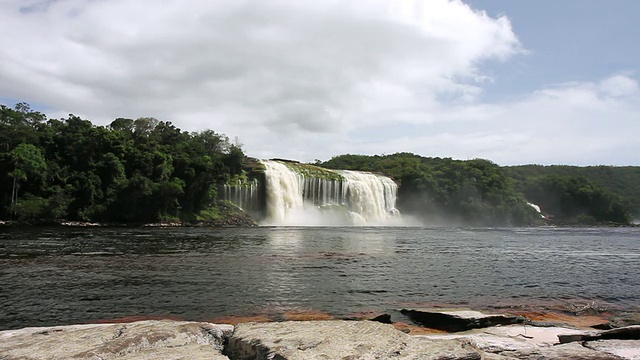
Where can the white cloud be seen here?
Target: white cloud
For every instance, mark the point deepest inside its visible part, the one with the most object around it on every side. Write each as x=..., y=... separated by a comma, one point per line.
x=303, y=80
x=283, y=62
x=619, y=86
x=575, y=123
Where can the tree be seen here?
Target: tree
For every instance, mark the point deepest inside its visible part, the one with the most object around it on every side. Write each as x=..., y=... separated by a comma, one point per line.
x=27, y=161
x=18, y=126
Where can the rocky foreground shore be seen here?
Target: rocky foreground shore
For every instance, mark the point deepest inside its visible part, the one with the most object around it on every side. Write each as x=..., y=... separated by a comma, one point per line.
x=489, y=337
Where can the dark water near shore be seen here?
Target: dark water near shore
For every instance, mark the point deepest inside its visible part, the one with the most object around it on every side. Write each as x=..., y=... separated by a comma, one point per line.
x=77, y=275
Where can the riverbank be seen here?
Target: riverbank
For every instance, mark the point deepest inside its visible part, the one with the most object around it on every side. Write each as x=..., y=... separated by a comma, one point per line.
x=243, y=221
x=226, y=223
x=323, y=339
x=223, y=214
x=231, y=221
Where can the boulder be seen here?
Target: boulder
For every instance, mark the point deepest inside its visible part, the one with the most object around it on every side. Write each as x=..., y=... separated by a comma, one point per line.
x=338, y=339
x=139, y=340
x=454, y=320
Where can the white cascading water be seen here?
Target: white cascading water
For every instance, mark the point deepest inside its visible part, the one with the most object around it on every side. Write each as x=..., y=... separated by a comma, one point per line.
x=537, y=208
x=371, y=198
x=284, y=192
x=293, y=199
x=244, y=195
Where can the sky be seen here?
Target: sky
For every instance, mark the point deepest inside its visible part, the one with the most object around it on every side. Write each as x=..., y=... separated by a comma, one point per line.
x=515, y=82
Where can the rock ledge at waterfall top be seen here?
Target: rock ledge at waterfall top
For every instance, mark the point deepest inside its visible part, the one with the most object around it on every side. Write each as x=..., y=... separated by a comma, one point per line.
x=313, y=171
x=331, y=339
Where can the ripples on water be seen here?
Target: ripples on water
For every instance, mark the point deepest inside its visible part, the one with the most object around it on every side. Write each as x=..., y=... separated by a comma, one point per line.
x=76, y=275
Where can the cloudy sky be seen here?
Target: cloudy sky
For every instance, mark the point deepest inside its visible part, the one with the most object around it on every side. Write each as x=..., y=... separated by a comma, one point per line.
x=517, y=82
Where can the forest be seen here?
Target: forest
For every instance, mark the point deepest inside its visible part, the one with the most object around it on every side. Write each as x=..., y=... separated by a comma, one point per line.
x=481, y=192
x=131, y=171
x=145, y=170
x=443, y=190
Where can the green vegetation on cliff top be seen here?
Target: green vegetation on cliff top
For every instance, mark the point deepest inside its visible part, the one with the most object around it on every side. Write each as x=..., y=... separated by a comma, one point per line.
x=312, y=171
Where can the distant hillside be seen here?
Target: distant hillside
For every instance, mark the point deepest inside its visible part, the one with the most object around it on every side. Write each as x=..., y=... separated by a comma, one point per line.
x=622, y=181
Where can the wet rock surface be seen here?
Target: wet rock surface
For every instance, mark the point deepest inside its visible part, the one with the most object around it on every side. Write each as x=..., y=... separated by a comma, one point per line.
x=330, y=339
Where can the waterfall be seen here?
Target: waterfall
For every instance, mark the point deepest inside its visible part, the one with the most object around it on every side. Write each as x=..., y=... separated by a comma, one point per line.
x=346, y=197
x=284, y=191
x=244, y=195
x=537, y=208
x=370, y=197
x=298, y=194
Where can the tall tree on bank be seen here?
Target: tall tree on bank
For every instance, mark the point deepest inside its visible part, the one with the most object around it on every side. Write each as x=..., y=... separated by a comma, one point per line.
x=27, y=161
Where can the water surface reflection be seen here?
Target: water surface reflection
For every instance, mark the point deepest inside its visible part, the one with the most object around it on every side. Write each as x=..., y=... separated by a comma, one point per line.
x=62, y=275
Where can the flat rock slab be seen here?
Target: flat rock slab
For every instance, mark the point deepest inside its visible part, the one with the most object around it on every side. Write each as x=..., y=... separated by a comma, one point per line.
x=625, y=349
x=454, y=320
x=309, y=340
x=561, y=352
x=526, y=342
x=508, y=338
x=140, y=340
x=338, y=339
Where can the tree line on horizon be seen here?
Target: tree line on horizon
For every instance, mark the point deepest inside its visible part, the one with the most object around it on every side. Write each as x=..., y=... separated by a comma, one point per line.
x=480, y=192
x=146, y=170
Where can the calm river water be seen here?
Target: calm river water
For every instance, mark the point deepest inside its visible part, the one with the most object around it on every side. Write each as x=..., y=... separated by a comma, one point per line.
x=77, y=275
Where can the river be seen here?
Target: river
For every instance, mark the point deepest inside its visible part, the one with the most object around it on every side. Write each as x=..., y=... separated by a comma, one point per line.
x=57, y=276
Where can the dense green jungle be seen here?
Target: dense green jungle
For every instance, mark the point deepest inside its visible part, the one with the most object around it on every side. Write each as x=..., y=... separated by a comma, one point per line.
x=143, y=170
